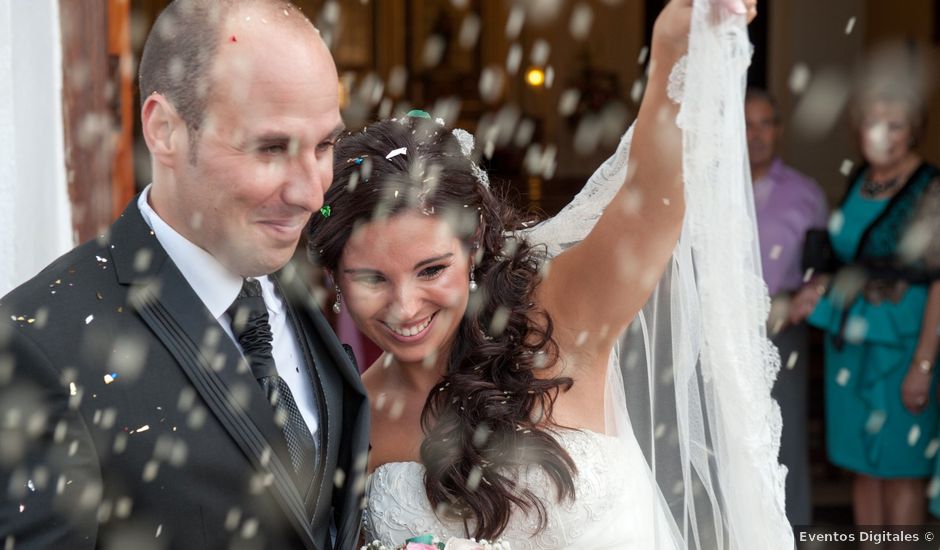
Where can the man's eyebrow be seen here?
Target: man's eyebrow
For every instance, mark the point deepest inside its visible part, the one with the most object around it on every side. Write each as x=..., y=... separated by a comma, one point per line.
x=272, y=136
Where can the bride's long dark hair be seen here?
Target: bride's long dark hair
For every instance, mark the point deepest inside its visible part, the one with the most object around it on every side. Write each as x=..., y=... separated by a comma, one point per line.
x=483, y=421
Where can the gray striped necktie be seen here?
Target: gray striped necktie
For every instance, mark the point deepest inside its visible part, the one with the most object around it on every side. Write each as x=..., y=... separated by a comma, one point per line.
x=251, y=328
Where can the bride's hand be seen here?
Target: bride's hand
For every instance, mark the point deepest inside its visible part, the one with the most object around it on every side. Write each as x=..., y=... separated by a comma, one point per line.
x=671, y=31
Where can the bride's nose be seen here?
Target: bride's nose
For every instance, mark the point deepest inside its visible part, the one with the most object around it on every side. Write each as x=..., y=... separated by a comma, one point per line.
x=406, y=304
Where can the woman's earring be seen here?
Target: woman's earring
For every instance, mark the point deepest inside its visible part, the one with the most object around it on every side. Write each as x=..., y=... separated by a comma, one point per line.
x=473, y=281
x=338, y=304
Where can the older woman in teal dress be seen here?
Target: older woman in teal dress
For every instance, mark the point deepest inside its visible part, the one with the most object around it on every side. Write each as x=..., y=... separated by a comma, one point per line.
x=880, y=313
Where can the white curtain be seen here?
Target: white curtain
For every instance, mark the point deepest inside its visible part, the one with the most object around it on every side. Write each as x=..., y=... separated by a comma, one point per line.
x=35, y=215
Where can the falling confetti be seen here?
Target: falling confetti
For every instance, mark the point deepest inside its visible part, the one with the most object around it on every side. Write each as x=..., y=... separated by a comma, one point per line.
x=933, y=488
x=913, y=436
x=846, y=168
x=876, y=421
x=842, y=378
x=799, y=78
x=850, y=25
x=89, y=319
x=581, y=19
x=856, y=329
x=931, y=449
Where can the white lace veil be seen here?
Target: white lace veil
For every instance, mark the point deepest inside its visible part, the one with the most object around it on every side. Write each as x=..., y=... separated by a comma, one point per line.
x=691, y=376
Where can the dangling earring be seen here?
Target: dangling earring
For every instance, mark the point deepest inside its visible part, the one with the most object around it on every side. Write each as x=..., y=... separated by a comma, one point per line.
x=473, y=281
x=338, y=304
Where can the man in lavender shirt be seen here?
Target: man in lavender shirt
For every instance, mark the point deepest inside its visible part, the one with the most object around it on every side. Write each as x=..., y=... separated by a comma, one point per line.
x=788, y=204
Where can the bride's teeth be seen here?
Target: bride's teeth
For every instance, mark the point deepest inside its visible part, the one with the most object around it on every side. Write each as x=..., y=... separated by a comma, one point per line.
x=410, y=331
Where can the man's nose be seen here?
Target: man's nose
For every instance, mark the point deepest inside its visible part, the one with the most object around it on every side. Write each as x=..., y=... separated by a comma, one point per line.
x=306, y=185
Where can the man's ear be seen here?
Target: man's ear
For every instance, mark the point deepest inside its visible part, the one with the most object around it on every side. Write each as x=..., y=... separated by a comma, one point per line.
x=162, y=128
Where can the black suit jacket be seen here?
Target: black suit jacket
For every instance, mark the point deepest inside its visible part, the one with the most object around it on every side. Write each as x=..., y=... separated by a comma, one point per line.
x=128, y=419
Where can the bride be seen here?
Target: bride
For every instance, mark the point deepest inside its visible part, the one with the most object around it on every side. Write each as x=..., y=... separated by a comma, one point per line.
x=498, y=408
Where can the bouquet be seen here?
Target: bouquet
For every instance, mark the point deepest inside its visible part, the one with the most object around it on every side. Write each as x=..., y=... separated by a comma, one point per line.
x=430, y=542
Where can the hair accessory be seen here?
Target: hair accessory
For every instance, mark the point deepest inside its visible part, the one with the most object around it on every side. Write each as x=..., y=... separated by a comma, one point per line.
x=396, y=152
x=418, y=113
x=326, y=211
x=338, y=304
x=466, y=141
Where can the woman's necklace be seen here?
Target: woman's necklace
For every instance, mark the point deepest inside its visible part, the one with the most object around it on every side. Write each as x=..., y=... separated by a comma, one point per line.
x=872, y=188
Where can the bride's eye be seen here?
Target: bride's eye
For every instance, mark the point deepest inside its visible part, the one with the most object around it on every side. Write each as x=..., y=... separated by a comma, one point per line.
x=432, y=272
x=370, y=280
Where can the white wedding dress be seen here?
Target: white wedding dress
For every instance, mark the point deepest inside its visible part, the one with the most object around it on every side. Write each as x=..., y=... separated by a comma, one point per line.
x=689, y=455
x=612, y=509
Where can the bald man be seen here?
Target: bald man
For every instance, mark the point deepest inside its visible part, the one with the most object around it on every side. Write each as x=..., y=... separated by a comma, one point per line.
x=174, y=382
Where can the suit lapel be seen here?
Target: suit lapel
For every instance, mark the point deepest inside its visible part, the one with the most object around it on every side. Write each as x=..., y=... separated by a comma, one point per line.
x=334, y=370
x=167, y=304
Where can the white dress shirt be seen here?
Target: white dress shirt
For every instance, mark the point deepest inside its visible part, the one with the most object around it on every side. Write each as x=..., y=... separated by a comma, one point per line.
x=218, y=288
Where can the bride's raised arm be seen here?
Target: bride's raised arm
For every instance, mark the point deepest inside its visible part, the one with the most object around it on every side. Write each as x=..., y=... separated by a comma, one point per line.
x=599, y=284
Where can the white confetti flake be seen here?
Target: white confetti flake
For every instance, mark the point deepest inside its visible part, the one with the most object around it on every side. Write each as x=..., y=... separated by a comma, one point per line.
x=842, y=378
x=73, y=390
x=799, y=78
x=636, y=92
x=22, y=507
x=846, y=168
x=931, y=449
x=933, y=488
x=876, y=420
x=150, y=471
x=89, y=319
x=660, y=431
x=515, y=21
x=855, y=329
x=31, y=486
x=249, y=528
x=474, y=477
x=108, y=378
x=581, y=19
x=791, y=360
x=395, y=153
x=850, y=25
x=913, y=436
x=540, y=52
x=775, y=251
x=159, y=531
x=582, y=339
x=141, y=429
x=836, y=222
x=568, y=102
x=514, y=59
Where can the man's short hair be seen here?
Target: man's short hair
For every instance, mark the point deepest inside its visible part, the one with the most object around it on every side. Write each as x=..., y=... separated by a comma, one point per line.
x=180, y=49
x=755, y=93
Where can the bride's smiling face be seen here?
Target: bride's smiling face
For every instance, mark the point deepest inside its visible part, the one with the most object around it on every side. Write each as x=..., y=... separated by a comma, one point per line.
x=405, y=283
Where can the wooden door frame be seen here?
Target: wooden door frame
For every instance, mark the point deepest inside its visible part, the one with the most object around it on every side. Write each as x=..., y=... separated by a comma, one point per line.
x=97, y=71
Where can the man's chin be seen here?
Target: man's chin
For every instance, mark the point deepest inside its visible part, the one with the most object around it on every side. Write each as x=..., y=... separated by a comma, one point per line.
x=253, y=263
